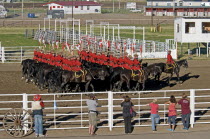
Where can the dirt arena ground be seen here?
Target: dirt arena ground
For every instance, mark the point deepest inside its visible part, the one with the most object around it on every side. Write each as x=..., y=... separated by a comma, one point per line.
x=196, y=77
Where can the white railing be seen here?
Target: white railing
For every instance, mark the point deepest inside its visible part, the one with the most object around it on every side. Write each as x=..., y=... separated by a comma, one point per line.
x=16, y=54
x=71, y=112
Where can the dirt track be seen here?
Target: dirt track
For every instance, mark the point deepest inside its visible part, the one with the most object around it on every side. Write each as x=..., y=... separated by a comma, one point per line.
x=198, y=71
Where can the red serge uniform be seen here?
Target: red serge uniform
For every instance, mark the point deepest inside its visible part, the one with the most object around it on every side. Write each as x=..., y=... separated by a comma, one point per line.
x=103, y=60
x=86, y=56
x=83, y=55
x=136, y=64
x=98, y=59
x=120, y=62
x=169, y=59
x=128, y=61
x=92, y=57
x=53, y=59
x=77, y=65
x=112, y=61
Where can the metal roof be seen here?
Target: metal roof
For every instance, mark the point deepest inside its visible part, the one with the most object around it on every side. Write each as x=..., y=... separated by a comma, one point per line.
x=75, y=3
x=180, y=0
x=177, y=6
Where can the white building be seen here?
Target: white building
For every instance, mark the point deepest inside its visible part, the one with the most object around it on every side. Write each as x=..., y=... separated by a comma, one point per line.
x=79, y=7
x=192, y=29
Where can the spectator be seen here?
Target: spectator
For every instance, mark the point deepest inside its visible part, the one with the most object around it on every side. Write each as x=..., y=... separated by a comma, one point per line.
x=172, y=113
x=185, y=106
x=154, y=114
x=37, y=106
x=127, y=106
x=92, y=104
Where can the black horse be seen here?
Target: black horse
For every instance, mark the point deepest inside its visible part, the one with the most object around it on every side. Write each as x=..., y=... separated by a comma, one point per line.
x=69, y=77
x=120, y=76
x=175, y=68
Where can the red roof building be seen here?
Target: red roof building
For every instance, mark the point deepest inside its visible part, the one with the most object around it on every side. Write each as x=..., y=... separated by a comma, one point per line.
x=79, y=7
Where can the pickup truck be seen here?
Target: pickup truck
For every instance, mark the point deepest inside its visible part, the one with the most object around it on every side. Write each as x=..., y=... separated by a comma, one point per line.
x=136, y=11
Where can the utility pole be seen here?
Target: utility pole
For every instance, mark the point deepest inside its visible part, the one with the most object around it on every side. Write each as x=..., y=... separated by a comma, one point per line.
x=113, y=6
x=151, y=13
x=72, y=11
x=174, y=7
x=22, y=9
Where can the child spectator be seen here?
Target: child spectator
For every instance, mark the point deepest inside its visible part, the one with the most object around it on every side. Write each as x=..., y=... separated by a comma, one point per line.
x=37, y=106
x=172, y=113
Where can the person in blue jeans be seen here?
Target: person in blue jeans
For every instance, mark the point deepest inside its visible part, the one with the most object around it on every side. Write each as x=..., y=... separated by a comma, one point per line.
x=154, y=114
x=37, y=106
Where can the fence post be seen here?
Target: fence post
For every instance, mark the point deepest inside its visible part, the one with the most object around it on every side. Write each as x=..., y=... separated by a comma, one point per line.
x=192, y=107
x=110, y=110
x=25, y=107
x=2, y=55
x=21, y=52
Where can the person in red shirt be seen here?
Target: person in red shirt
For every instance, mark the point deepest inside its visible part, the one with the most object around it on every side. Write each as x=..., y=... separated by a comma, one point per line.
x=169, y=58
x=185, y=106
x=154, y=114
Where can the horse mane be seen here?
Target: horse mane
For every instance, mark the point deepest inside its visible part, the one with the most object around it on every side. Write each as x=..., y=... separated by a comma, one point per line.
x=180, y=61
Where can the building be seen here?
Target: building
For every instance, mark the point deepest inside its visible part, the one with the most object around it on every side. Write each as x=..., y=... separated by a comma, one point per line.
x=192, y=8
x=79, y=7
x=192, y=29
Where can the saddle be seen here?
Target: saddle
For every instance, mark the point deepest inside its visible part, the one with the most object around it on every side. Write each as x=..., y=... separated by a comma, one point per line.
x=80, y=73
x=139, y=73
x=171, y=66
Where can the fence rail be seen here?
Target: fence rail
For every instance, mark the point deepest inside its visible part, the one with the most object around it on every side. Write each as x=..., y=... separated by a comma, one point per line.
x=16, y=54
x=71, y=112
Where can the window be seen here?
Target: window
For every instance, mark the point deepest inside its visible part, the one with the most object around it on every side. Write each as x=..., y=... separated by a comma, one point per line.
x=190, y=27
x=175, y=4
x=205, y=27
x=53, y=6
x=76, y=6
x=81, y=7
x=88, y=7
x=177, y=28
x=180, y=3
x=61, y=6
x=190, y=4
x=168, y=4
x=58, y=6
x=156, y=4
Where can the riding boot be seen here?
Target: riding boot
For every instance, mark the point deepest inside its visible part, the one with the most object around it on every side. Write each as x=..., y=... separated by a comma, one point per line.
x=83, y=78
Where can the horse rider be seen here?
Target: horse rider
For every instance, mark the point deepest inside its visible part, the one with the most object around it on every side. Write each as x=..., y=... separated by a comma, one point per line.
x=77, y=66
x=170, y=60
x=136, y=63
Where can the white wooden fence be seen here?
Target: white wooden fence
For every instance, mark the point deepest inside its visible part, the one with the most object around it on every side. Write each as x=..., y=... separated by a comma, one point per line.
x=16, y=54
x=71, y=112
